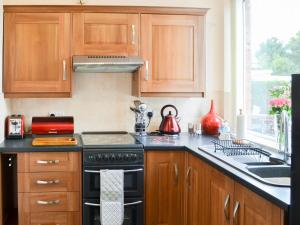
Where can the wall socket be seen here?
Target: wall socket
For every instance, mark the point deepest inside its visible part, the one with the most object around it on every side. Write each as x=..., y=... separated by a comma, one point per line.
x=56, y=113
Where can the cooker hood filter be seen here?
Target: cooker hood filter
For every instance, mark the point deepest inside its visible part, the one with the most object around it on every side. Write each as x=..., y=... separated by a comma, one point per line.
x=106, y=64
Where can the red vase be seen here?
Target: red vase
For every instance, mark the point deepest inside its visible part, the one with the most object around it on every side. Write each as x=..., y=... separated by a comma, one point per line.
x=211, y=122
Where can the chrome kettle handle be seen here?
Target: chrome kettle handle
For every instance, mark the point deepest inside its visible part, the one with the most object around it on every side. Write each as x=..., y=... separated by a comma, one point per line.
x=168, y=106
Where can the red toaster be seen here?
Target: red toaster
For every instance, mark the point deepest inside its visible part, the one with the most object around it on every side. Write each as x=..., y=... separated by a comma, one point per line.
x=52, y=125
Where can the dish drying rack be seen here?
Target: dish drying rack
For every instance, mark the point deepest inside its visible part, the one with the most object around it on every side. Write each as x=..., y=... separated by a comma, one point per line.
x=239, y=148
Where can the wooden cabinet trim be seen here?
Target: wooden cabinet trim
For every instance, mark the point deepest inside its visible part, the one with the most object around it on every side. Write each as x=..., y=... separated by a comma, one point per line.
x=38, y=95
x=108, y=9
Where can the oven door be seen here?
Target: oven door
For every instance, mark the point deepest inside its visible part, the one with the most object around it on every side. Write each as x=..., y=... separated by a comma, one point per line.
x=133, y=212
x=133, y=180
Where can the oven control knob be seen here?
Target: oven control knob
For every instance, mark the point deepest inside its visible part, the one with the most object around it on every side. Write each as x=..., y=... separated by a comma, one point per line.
x=91, y=157
x=126, y=157
x=133, y=157
x=106, y=157
x=113, y=157
x=119, y=157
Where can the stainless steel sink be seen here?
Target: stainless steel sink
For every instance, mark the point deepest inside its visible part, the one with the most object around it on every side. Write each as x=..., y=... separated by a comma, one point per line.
x=263, y=167
x=277, y=175
x=269, y=162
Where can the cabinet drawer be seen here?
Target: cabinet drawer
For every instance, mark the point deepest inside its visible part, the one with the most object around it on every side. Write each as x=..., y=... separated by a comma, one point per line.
x=48, y=182
x=49, y=161
x=49, y=202
x=50, y=218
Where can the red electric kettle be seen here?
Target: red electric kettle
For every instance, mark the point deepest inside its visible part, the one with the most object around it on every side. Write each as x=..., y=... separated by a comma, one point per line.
x=169, y=123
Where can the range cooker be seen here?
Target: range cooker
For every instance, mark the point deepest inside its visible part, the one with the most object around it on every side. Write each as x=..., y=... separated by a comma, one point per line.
x=113, y=150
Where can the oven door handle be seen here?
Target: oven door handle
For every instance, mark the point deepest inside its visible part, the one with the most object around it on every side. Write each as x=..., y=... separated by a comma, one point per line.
x=125, y=171
x=126, y=204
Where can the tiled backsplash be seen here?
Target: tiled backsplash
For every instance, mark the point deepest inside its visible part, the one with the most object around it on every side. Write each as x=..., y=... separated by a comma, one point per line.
x=102, y=101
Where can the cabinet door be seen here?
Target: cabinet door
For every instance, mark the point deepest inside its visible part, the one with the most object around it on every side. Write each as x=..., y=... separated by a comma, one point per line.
x=165, y=187
x=252, y=209
x=105, y=34
x=173, y=48
x=37, y=53
x=221, y=198
x=197, y=192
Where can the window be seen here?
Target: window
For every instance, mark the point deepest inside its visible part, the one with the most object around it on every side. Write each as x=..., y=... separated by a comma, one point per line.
x=271, y=55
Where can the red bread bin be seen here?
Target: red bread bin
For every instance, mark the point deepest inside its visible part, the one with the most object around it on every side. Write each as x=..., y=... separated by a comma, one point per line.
x=53, y=125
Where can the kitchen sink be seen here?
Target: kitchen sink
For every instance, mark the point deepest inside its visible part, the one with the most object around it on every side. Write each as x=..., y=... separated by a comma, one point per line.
x=269, y=162
x=277, y=174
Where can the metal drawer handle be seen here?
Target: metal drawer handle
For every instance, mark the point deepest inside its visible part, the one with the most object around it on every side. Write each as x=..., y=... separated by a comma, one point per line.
x=235, y=213
x=43, y=182
x=126, y=204
x=64, y=70
x=133, y=34
x=125, y=171
x=188, y=176
x=226, y=208
x=51, y=202
x=147, y=70
x=48, y=224
x=176, y=171
x=47, y=161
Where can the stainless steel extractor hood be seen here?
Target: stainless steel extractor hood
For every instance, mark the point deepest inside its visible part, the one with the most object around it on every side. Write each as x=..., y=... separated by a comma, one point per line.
x=106, y=64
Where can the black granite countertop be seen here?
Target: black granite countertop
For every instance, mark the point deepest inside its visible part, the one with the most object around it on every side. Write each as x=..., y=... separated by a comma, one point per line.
x=25, y=145
x=278, y=195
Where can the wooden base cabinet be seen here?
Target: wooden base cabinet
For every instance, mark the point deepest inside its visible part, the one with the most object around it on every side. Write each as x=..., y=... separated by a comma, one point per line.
x=197, y=210
x=49, y=188
x=251, y=209
x=165, y=173
x=209, y=197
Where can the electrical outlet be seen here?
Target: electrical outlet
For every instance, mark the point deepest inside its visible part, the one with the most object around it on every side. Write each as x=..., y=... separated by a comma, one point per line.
x=56, y=113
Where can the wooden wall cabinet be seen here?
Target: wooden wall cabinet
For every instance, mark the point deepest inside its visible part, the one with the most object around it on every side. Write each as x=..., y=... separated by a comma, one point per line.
x=105, y=34
x=173, y=48
x=39, y=43
x=37, y=57
x=210, y=197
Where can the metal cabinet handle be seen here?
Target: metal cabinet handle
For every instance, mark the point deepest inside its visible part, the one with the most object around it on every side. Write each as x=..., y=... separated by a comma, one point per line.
x=133, y=34
x=51, y=202
x=176, y=173
x=147, y=70
x=45, y=182
x=125, y=204
x=48, y=224
x=188, y=176
x=47, y=161
x=64, y=70
x=226, y=208
x=235, y=213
